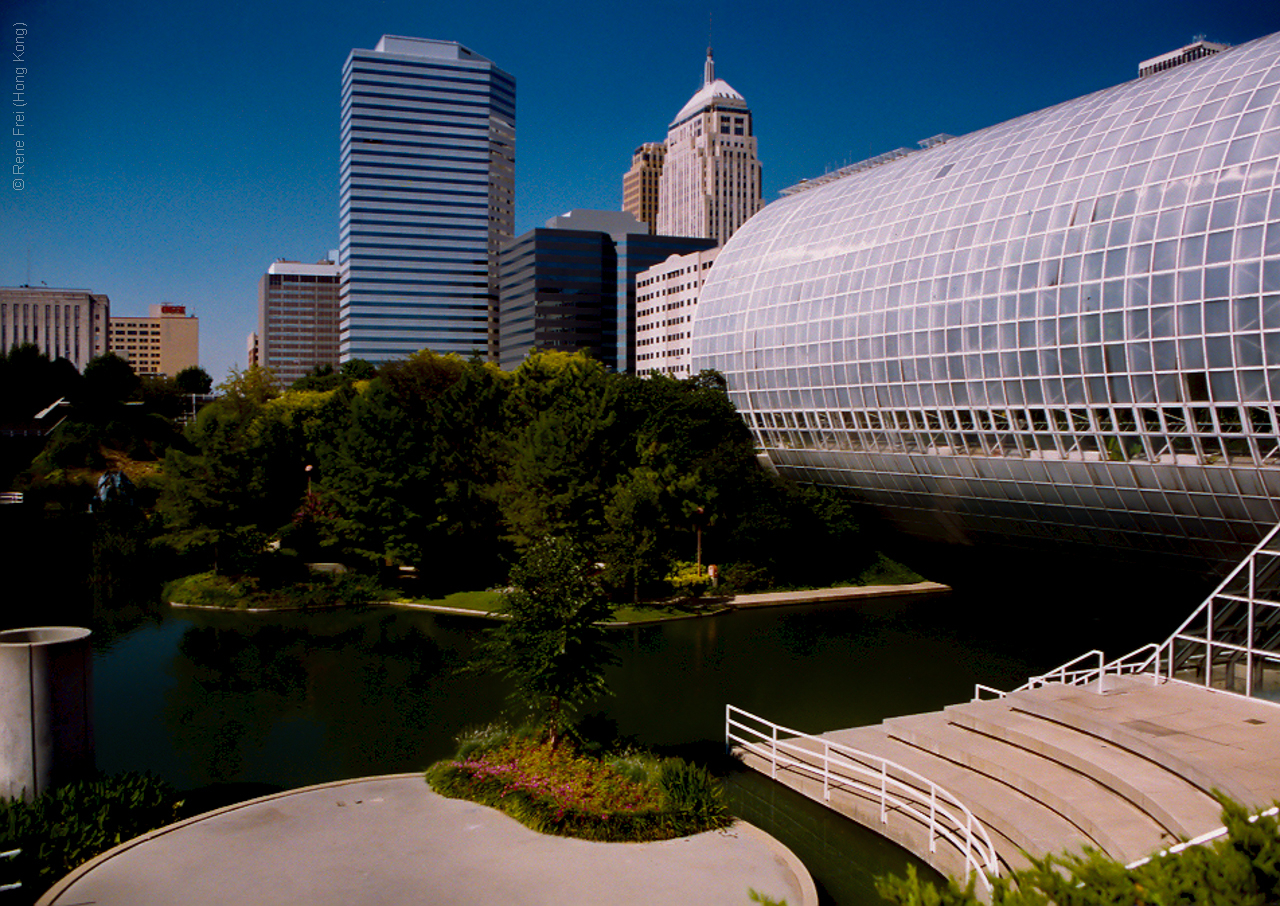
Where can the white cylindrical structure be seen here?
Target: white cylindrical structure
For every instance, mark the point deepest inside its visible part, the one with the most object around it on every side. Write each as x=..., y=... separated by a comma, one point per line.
x=46, y=709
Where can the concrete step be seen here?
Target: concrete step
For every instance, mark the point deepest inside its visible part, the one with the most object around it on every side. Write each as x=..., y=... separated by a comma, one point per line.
x=1029, y=825
x=1112, y=823
x=1151, y=743
x=1214, y=740
x=1180, y=808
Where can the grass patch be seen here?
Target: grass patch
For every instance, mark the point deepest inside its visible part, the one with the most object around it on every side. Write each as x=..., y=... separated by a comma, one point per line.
x=479, y=601
x=627, y=797
x=246, y=592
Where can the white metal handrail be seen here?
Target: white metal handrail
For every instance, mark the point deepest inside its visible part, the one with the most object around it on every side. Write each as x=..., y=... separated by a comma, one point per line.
x=10, y=854
x=1071, y=674
x=1207, y=837
x=843, y=767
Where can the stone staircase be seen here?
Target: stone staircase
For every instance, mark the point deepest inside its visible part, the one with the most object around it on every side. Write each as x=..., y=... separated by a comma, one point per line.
x=1128, y=768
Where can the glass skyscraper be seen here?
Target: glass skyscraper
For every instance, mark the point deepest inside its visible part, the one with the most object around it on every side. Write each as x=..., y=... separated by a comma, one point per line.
x=1065, y=326
x=427, y=196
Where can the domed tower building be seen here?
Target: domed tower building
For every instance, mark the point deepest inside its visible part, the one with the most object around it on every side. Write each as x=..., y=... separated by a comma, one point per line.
x=711, y=178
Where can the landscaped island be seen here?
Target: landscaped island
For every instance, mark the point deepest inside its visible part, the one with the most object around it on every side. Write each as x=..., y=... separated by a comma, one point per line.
x=622, y=797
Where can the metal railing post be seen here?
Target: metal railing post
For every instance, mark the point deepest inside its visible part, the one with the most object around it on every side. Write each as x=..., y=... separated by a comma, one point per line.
x=933, y=818
x=884, y=792
x=968, y=843
x=826, y=770
x=773, y=753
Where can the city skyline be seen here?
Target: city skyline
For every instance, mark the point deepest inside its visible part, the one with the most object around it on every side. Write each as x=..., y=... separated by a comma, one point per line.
x=171, y=158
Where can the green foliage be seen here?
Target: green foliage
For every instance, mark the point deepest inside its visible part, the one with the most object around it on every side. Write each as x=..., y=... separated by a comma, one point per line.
x=70, y=825
x=888, y=572
x=288, y=585
x=550, y=647
x=1242, y=869
x=193, y=379
x=30, y=381
x=560, y=449
x=743, y=578
x=763, y=899
x=454, y=467
x=688, y=578
x=554, y=790
x=110, y=379
x=690, y=790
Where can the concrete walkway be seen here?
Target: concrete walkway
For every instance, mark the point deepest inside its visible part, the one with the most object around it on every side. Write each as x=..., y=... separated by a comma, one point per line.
x=390, y=840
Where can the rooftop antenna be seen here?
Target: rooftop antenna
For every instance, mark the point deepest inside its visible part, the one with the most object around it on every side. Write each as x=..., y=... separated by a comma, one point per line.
x=709, y=70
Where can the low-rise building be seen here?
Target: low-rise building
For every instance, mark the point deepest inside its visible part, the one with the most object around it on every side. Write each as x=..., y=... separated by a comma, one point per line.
x=64, y=323
x=165, y=342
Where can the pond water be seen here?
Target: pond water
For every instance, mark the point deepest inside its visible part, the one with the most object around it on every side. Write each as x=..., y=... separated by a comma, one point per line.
x=205, y=699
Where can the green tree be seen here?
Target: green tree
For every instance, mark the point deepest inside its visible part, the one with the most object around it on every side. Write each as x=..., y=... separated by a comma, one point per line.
x=241, y=474
x=409, y=468
x=110, y=379
x=552, y=648
x=193, y=380
x=563, y=448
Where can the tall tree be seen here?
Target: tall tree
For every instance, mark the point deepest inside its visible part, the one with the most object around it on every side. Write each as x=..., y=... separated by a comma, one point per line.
x=563, y=448
x=552, y=648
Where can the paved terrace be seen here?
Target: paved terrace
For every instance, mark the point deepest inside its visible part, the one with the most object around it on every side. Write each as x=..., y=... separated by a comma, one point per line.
x=1128, y=769
x=384, y=840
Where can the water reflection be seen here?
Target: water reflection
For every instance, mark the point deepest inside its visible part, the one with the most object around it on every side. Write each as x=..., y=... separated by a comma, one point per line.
x=301, y=699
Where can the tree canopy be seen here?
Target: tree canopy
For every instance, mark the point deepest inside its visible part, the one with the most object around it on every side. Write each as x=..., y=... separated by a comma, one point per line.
x=453, y=468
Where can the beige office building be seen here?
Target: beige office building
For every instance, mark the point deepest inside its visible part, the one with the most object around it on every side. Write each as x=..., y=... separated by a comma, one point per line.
x=64, y=323
x=711, y=179
x=640, y=183
x=666, y=296
x=164, y=343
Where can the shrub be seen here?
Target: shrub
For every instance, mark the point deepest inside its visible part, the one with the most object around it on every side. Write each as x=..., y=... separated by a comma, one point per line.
x=690, y=790
x=242, y=592
x=68, y=826
x=744, y=578
x=688, y=578
x=888, y=572
x=554, y=790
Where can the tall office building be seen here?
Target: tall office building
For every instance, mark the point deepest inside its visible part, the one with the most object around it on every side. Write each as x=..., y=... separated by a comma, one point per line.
x=63, y=323
x=572, y=285
x=427, y=177
x=165, y=342
x=711, y=178
x=640, y=183
x=298, y=318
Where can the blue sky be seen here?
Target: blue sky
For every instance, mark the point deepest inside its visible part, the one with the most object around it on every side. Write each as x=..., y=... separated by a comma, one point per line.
x=174, y=150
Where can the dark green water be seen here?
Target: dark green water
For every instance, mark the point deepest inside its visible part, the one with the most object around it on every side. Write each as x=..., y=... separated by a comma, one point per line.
x=209, y=698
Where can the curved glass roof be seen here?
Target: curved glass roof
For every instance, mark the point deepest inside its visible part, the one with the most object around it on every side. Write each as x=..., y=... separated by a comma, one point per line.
x=1098, y=282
